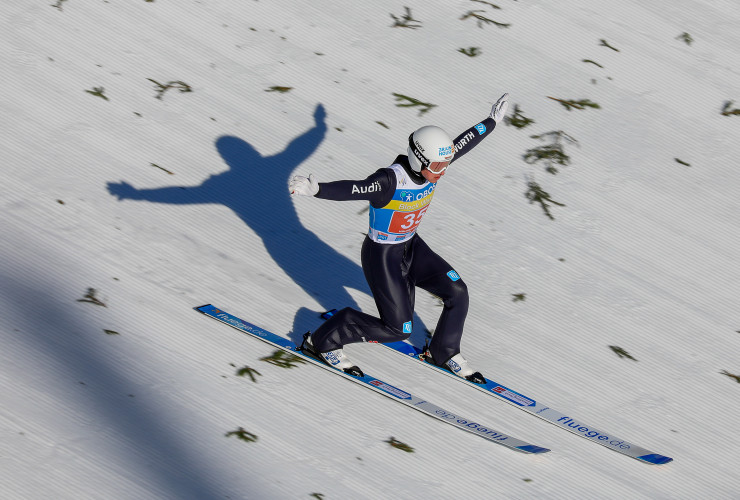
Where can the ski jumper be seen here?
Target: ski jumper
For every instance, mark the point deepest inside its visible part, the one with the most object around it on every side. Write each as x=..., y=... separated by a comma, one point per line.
x=395, y=259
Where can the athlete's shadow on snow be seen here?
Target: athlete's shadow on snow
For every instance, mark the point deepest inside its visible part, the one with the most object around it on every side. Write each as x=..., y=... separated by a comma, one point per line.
x=255, y=188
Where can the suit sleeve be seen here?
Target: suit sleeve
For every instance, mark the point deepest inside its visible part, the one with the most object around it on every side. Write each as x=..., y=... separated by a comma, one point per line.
x=378, y=188
x=472, y=137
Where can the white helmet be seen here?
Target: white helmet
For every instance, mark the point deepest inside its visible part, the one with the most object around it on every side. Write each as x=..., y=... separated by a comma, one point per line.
x=430, y=147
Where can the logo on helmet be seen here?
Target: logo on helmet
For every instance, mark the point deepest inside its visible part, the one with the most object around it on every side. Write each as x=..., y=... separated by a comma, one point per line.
x=445, y=151
x=420, y=157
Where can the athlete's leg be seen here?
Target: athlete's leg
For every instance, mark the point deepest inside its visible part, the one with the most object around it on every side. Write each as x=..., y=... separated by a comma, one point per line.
x=432, y=273
x=386, y=273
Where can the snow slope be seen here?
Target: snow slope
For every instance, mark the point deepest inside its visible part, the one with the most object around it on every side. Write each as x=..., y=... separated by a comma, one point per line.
x=160, y=205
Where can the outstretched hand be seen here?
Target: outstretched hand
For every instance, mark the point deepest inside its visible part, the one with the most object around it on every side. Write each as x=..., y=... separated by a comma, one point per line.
x=305, y=186
x=499, y=109
x=122, y=190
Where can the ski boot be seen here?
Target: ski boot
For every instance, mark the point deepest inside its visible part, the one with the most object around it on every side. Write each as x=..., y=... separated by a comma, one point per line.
x=335, y=358
x=457, y=365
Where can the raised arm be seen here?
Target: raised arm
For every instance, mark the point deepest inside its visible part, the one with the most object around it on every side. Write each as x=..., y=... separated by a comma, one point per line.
x=475, y=134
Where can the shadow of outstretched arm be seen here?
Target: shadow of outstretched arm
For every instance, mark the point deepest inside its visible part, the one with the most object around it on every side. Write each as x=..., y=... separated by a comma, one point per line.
x=178, y=195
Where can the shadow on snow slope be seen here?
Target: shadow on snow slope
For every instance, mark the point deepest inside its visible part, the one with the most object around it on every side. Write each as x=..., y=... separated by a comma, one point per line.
x=89, y=393
x=255, y=188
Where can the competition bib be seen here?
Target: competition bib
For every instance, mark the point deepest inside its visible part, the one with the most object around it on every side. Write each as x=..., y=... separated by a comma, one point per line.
x=398, y=220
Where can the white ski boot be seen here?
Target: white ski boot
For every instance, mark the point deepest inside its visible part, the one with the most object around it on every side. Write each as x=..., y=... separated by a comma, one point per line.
x=460, y=367
x=335, y=358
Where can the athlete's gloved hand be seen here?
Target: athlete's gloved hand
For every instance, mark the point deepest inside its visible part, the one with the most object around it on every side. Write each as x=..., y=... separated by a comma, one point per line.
x=499, y=109
x=305, y=186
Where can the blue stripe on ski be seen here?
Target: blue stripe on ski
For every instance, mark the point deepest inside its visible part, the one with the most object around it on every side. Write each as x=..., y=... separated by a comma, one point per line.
x=375, y=384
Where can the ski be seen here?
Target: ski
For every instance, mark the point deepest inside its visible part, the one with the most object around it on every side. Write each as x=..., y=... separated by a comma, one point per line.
x=375, y=384
x=538, y=409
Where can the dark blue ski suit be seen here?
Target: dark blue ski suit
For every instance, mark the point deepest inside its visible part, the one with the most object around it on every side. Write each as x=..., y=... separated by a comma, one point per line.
x=394, y=269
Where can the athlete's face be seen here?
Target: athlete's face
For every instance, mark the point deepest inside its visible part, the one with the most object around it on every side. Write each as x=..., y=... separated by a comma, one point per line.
x=431, y=176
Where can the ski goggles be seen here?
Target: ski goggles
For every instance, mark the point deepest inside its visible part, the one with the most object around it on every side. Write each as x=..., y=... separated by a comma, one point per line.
x=437, y=167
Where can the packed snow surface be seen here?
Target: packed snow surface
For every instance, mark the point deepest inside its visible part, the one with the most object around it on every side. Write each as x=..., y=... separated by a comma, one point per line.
x=147, y=147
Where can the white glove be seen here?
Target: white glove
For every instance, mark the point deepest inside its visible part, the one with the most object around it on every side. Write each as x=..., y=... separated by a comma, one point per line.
x=305, y=186
x=499, y=109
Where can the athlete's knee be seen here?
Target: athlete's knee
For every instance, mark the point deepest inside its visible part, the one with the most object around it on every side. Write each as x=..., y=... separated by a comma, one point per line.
x=458, y=294
x=407, y=329
x=400, y=330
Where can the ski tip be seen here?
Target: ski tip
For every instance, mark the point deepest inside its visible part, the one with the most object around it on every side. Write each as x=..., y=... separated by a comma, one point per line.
x=200, y=308
x=532, y=449
x=655, y=459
